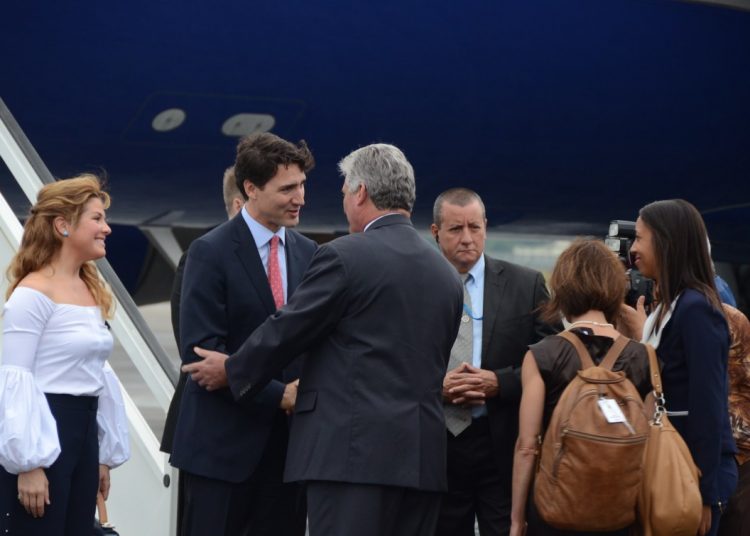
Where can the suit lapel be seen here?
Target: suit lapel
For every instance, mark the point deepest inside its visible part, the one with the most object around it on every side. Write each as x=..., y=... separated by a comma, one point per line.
x=293, y=264
x=494, y=287
x=247, y=252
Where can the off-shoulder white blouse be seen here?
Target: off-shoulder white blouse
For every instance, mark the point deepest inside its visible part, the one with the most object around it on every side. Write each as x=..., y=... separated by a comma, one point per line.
x=56, y=348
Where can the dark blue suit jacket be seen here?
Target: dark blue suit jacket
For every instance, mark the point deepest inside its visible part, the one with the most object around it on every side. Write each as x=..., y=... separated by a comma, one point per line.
x=225, y=296
x=694, y=350
x=378, y=313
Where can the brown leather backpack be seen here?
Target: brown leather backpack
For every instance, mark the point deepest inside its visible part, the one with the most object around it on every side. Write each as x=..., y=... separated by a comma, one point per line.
x=590, y=469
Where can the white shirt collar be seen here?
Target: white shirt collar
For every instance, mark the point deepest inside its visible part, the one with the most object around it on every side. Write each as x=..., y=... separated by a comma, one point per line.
x=477, y=272
x=651, y=337
x=378, y=218
x=261, y=234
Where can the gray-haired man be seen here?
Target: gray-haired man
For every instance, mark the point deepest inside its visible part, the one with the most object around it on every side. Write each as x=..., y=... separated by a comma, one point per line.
x=378, y=311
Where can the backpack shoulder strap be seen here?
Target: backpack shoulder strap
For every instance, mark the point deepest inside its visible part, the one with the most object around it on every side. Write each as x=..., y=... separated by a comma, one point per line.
x=609, y=358
x=614, y=352
x=583, y=353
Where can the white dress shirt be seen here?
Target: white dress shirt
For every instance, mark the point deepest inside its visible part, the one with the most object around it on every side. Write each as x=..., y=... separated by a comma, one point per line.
x=262, y=236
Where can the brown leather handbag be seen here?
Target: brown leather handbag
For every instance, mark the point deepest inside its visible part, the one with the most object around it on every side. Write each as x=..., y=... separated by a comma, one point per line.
x=670, y=501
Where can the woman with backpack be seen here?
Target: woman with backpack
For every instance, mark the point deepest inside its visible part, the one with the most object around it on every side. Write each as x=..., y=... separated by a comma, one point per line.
x=587, y=287
x=690, y=333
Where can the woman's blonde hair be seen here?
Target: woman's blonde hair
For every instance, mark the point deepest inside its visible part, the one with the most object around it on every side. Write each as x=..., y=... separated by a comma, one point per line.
x=40, y=243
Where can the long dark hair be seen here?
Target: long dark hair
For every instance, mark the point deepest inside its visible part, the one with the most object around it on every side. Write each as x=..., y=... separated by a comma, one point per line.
x=680, y=244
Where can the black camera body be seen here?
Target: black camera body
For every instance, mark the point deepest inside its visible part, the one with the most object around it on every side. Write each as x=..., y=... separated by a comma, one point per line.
x=619, y=239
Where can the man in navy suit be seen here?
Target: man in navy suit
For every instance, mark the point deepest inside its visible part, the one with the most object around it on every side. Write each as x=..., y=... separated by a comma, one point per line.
x=232, y=455
x=378, y=311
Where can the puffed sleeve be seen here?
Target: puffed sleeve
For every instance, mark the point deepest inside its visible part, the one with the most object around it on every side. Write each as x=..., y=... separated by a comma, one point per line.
x=114, y=444
x=28, y=431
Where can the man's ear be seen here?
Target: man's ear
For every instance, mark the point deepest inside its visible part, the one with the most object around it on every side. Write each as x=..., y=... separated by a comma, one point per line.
x=237, y=203
x=250, y=189
x=435, y=230
x=235, y=207
x=361, y=194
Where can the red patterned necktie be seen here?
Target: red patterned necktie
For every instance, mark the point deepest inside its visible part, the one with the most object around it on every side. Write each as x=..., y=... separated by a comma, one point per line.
x=274, y=273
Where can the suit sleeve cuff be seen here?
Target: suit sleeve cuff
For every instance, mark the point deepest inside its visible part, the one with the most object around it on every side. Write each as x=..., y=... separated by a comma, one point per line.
x=271, y=394
x=509, y=385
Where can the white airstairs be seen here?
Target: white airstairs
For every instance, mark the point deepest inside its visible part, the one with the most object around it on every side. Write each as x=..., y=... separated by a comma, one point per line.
x=143, y=498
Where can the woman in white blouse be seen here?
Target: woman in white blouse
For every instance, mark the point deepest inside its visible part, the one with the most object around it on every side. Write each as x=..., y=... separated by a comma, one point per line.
x=62, y=420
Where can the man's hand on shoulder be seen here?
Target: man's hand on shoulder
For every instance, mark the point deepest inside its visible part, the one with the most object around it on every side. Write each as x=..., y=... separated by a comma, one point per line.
x=210, y=372
x=289, y=398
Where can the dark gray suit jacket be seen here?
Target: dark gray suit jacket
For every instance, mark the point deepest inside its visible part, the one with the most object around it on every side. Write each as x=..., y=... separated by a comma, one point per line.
x=512, y=297
x=378, y=312
x=225, y=296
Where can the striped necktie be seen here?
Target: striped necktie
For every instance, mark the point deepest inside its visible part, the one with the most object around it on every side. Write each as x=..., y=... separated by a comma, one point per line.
x=457, y=418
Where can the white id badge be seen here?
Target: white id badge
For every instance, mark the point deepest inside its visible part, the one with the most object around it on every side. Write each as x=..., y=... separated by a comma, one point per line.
x=611, y=410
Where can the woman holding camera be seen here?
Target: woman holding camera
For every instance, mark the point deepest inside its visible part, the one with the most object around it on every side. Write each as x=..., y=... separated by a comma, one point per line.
x=690, y=333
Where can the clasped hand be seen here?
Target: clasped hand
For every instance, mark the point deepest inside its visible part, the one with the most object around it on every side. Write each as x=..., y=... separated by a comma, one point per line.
x=466, y=385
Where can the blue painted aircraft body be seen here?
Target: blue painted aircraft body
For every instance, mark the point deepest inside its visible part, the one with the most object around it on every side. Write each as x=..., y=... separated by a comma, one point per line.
x=563, y=115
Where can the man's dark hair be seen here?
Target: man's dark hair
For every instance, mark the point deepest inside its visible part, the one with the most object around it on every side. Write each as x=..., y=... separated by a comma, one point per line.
x=260, y=155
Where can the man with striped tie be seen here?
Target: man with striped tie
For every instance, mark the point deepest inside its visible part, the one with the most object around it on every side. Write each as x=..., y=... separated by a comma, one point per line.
x=482, y=388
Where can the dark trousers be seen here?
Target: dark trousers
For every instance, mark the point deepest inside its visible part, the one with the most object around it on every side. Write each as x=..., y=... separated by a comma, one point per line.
x=174, y=408
x=734, y=482
x=261, y=505
x=180, y=499
x=476, y=489
x=73, y=478
x=344, y=509
x=736, y=518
